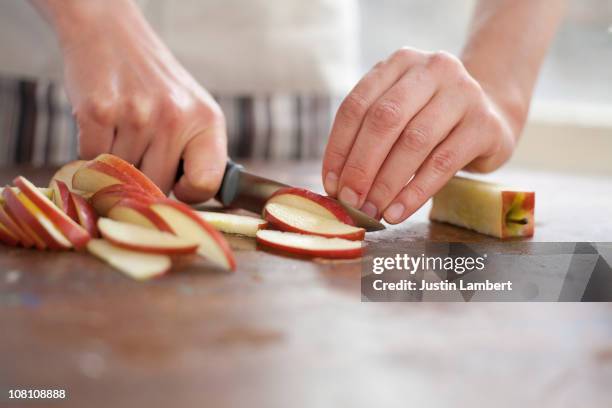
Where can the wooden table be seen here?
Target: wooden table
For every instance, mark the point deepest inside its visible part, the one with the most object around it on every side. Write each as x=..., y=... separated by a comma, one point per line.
x=285, y=332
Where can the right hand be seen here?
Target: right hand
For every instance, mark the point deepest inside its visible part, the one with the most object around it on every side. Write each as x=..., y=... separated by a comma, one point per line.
x=132, y=98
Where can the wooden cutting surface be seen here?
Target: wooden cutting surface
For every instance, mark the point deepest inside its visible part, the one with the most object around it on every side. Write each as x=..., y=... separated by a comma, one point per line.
x=286, y=332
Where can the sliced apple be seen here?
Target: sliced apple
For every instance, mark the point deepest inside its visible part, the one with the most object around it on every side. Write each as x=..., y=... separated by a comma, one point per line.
x=86, y=214
x=311, y=202
x=61, y=198
x=136, y=265
x=310, y=245
x=484, y=207
x=104, y=199
x=186, y=223
x=34, y=221
x=44, y=190
x=232, y=223
x=8, y=220
x=138, y=212
x=76, y=234
x=292, y=219
x=7, y=237
x=66, y=172
x=143, y=239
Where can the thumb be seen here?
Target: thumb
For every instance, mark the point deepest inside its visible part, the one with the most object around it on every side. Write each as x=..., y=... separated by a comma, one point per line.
x=204, y=160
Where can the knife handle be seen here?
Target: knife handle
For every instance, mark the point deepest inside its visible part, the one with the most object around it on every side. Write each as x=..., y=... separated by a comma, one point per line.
x=229, y=184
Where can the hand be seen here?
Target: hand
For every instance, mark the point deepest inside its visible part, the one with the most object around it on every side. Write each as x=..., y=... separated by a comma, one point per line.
x=406, y=128
x=133, y=99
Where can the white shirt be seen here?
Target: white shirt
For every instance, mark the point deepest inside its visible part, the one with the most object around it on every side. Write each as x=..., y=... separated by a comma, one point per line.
x=230, y=46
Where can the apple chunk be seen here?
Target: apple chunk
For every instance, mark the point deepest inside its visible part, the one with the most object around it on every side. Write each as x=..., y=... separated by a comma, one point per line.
x=484, y=207
x=314, y=203
x=293, y=219
x=136, y=265
x=232, y=223
x=137, y=238
x=310, y=245
x=73, y=231
x=138, y=212
x=186, y=223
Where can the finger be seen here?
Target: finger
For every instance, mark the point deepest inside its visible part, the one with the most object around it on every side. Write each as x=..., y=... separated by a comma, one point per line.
x=160, y=161
x=204, y=158
x=353, y=109
x=96, y=121
x=381, y=127
x=460, y=148
x=422, y=134
x=133, y=133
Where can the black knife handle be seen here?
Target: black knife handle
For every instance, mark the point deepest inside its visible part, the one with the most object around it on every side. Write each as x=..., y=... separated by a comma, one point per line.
x=229, y=184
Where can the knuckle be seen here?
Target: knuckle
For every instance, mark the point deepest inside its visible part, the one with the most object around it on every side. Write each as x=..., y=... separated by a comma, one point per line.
x=385, y=115
x=417, y=193
x=137, y=111
x=353, y=108
x=334, y=155
x=444, y=61
x=382, y=189
x=443, y=162
x=98, y=110
x=356, y=175
x=415, y=139
x=403, y=54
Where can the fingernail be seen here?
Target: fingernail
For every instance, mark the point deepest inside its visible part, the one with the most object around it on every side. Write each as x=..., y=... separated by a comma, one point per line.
x=348, y=196
x=331, y=183
x=394, y=212
x=370, y=209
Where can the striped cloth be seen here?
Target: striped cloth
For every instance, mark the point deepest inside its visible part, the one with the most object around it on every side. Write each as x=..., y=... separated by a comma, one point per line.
x=37, y=127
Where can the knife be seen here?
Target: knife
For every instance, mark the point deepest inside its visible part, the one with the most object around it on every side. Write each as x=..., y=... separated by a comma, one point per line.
x=248, y=191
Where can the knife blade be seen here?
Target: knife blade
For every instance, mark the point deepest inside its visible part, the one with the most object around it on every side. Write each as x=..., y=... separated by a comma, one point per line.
x=248, y=191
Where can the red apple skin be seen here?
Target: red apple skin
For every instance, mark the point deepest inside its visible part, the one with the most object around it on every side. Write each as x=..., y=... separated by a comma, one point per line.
x=7, y=220
x=104, y=199
x=76, y=234
x=528, y=205
x=332, y=206
x=28, y=221
x=283, y=226
x=66, y=172
x=143, y=209
x=216, y=235
x=61, y=197
x=7, y=237
x=136, y=176
x=86, y=214
x=330, y=254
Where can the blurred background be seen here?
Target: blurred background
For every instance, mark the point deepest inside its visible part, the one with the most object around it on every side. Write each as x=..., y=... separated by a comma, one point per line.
x=571, y=115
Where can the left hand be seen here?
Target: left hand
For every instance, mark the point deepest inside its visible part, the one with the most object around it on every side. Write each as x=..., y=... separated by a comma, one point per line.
x=415, y=114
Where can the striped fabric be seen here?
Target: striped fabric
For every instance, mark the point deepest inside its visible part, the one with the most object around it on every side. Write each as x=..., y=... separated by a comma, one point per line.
x=37, y=127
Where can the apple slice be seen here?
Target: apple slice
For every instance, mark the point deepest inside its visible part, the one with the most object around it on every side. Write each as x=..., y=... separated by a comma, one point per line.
x=66, y=172
x=32, y=219
x=310, y=245
x=106, y=170
x=73, y=231
x=11, y=224
x=232, y=223
x=142, y=239
x=136, y=265
x=485, y=207
x=186, y=223
x=86, y=214
x=293, y=219
x=314, y=203
x=44, y=190
x=138, y=212
x=7, y=237
x=61, y=198
x=104, y=199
